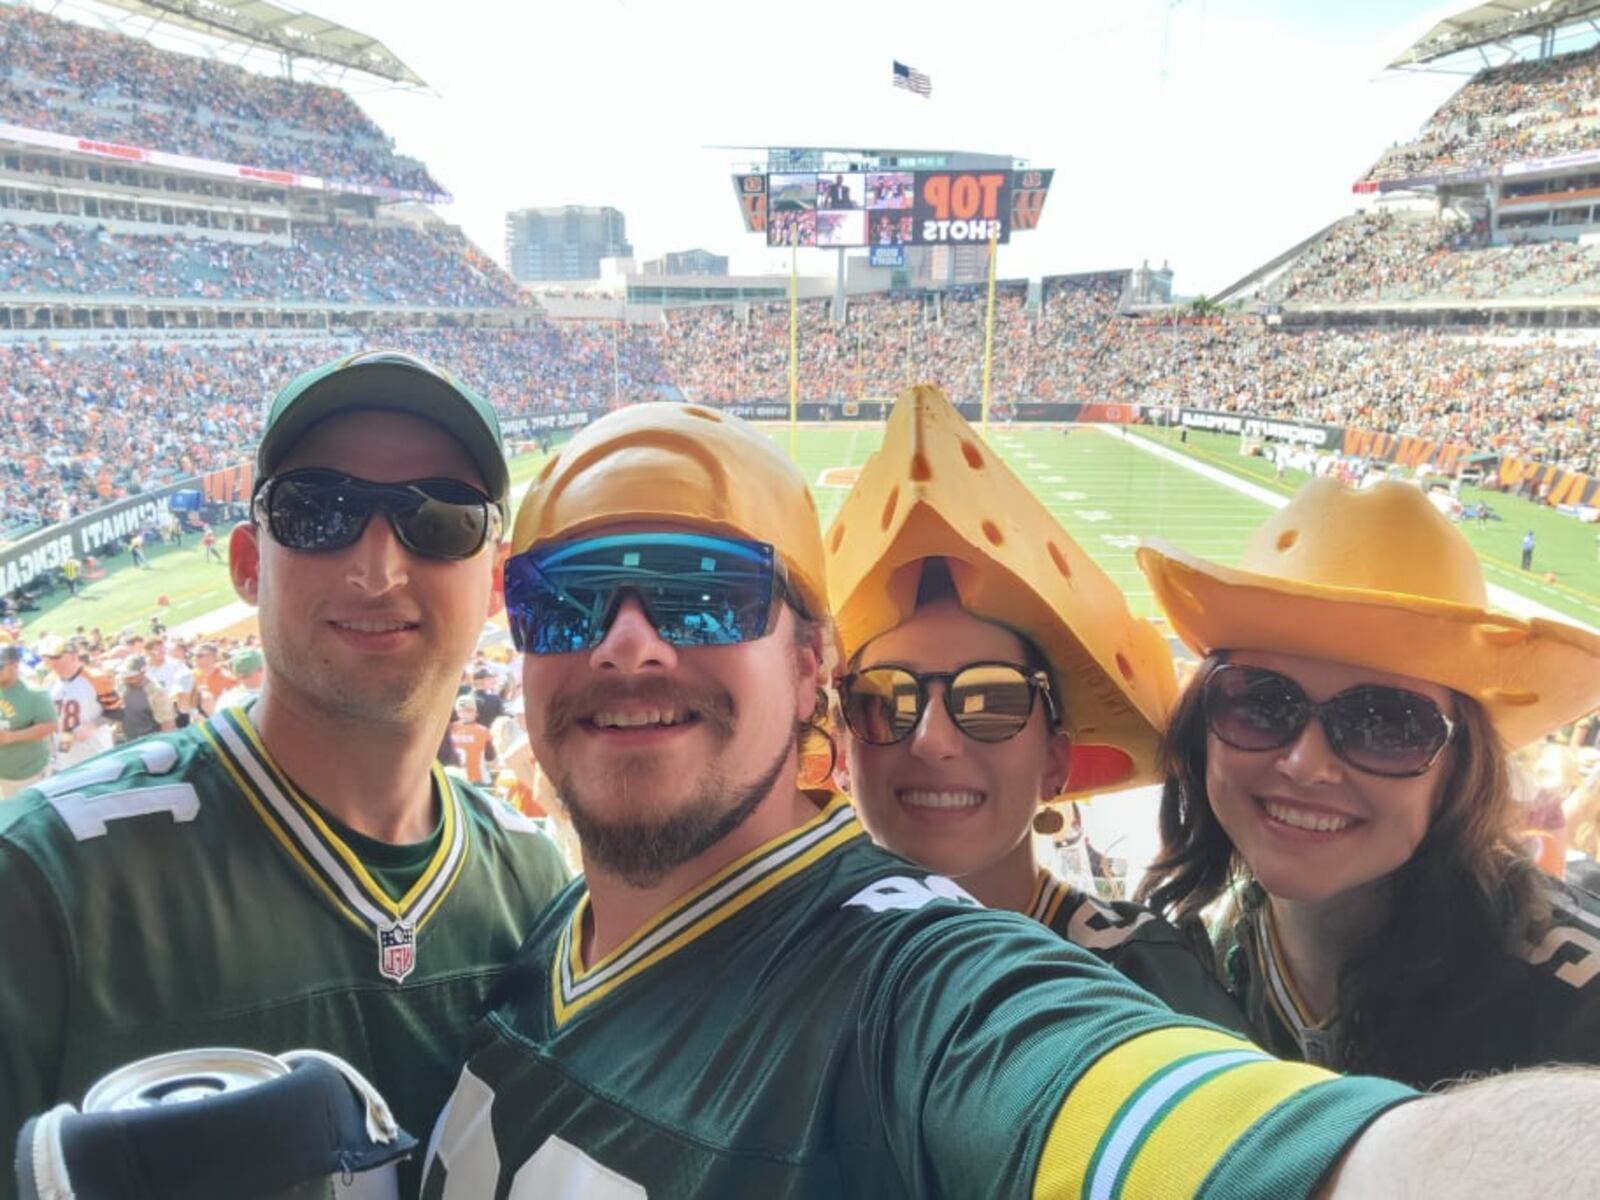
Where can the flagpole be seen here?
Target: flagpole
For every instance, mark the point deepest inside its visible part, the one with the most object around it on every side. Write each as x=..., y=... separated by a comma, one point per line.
x=988, y=330
x=794, y=343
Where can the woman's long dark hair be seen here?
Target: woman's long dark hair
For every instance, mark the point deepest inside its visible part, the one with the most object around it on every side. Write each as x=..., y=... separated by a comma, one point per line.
x=1406, y=998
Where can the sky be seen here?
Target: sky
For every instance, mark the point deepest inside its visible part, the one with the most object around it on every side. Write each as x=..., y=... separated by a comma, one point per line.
x=1207, y=134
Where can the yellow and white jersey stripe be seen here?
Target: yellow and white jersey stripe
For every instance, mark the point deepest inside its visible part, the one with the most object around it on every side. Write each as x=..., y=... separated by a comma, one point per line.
x=1049, y=893
x=1156, y=1115
x=1318, y=1039
x=719, y=898
x=327, y=860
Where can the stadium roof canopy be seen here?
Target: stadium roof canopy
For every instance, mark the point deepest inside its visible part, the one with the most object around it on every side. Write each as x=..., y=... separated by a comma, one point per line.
x=292, y=33
x=1489, y=24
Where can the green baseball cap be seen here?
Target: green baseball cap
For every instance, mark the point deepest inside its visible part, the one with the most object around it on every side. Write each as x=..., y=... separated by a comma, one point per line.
x=394, y=381
x=246, y=662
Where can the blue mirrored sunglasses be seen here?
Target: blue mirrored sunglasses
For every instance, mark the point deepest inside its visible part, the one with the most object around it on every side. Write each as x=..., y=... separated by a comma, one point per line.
x=696, y=590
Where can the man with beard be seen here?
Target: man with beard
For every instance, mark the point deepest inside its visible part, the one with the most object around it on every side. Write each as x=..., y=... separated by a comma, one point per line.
x=745, y=997
x=298, y=873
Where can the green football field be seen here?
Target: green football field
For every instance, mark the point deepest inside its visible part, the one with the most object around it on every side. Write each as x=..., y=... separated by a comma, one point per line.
x=1105, y=490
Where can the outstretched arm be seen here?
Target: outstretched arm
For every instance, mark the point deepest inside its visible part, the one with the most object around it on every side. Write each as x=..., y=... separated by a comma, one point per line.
x=1528, y=1133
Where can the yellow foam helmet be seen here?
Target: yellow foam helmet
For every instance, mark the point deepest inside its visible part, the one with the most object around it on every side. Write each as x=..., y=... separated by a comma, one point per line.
x=935, y=490
x=1381, y=579
x=682, y=464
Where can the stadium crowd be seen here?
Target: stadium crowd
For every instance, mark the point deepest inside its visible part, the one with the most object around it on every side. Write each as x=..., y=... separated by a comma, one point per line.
x=719, y=355
x=86, y=425
x=1389, y=257
x=1528, y=398
x=90, y=424
x=59, y=76
x=394, y=264
x=1522, y=110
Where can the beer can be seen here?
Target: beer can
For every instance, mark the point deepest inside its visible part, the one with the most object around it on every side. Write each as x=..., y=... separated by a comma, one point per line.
x=181, y=1076
x=169, y=1081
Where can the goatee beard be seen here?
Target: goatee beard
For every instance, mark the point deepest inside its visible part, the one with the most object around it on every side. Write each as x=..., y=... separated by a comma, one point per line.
x=642, y=853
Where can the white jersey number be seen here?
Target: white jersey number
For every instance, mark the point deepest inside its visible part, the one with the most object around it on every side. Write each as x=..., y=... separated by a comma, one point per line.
x=901, y=893
x=1098, y=927
x=87, y=815
x=463, y=1146
x=1580, y=968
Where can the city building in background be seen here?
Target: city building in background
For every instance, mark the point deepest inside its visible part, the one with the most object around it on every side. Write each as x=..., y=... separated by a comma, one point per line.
x=687, y=262
x=563, y=243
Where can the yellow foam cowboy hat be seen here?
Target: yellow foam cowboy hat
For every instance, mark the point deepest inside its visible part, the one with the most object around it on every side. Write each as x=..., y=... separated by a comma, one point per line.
x=1381, y=579
x=935, y=490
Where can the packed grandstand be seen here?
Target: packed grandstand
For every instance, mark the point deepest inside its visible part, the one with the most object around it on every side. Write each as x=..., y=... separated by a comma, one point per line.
x=147, y=308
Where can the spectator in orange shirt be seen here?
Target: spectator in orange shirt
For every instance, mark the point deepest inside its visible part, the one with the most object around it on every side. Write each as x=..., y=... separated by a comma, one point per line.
x=472, y=741
x=211, y=678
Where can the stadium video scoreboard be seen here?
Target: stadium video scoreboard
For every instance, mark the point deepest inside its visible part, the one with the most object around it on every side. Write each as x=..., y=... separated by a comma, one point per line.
x=892, y=208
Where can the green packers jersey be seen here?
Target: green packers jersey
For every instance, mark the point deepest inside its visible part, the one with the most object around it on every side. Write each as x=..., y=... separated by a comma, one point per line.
x=1141, y=945
x=822, y=1019
x=179, y=892
x=1544, y=1006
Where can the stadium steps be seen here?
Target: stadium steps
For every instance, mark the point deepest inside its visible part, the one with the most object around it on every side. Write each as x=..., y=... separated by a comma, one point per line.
x=1268, y=271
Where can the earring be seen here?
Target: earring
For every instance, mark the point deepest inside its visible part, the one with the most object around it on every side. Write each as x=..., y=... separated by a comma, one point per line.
x=1049, y=822
x=819, y=710
x=818, y=757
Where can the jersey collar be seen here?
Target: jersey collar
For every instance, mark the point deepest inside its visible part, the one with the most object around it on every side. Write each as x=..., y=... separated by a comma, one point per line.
x=1315, y=1037
x=726, y=894
x=1048, y=894
x=327, y=859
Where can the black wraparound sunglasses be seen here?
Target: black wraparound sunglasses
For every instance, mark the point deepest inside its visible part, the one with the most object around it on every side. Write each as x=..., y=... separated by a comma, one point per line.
x=314, y=511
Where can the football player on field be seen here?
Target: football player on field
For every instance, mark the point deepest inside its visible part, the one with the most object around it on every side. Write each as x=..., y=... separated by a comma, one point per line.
x=746, y=997
x=298, y=873
x=986, y=675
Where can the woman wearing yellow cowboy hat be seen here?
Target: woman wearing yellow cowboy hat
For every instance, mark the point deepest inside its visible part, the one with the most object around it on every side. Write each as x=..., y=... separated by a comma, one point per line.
x=991, y=667
x=1342, y=754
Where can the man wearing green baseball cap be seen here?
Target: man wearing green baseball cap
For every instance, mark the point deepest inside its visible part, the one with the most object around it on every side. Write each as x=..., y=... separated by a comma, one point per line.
x=302, y=872
x=249, y=669
x=394, y=382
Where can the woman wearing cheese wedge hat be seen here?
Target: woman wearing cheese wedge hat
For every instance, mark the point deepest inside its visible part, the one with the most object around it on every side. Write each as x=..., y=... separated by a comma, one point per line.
x=1339, y=765
x=992, y=668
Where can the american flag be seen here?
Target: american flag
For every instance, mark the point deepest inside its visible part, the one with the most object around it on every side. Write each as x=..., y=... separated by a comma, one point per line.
x=912, y=80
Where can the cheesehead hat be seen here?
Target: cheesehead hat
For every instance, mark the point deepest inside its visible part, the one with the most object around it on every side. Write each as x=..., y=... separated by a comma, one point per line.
x=680, y=463
x=935, y=490
x=1380, y=578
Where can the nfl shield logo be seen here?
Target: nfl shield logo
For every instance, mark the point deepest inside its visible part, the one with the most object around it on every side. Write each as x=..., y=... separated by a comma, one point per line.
x=397, y=951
